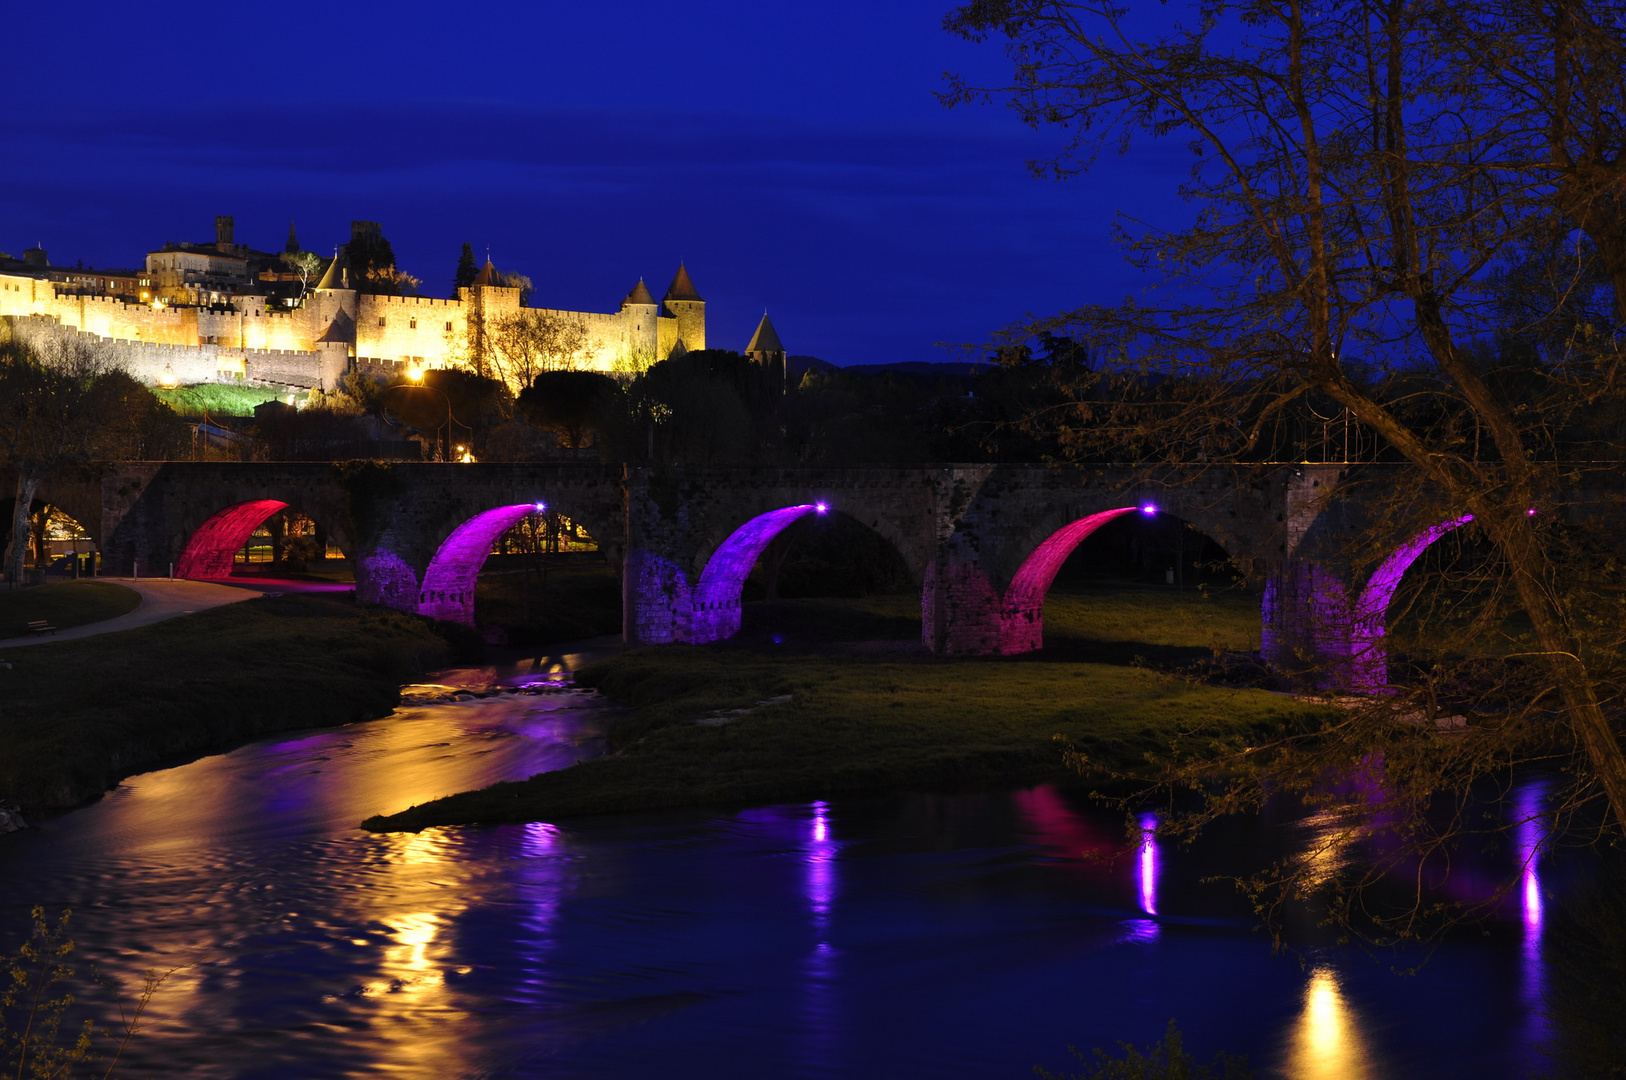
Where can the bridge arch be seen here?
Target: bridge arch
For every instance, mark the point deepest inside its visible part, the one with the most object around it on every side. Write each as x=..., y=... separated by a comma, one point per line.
x=1369, y=622
x=716, y=596
x=212, y=547
x=449, y=581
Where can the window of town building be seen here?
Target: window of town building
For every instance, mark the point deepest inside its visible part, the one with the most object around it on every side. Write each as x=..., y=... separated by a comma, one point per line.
x=412, y=324
x=381, y=320
x=448, y=328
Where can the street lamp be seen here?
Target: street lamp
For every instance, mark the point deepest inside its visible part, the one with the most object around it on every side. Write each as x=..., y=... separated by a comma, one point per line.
x=416, y=373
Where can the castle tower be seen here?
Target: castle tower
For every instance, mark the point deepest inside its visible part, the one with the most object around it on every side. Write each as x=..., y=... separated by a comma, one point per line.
x=765, y=347
x=223, y=233
x=682, y=302
x=488, y=300
x=331, y=318
x=640, y=329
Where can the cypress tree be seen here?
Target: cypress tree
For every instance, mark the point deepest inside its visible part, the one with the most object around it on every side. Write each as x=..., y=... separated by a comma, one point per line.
x=467, y=269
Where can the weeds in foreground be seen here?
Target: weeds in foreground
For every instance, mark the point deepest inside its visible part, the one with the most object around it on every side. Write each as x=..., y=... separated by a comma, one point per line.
x=35, y=999
x=1165, y=1060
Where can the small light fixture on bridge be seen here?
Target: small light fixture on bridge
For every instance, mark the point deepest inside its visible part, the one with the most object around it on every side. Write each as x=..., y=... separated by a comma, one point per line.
x=541, y=508
x=820, y=507
x=1149, y=509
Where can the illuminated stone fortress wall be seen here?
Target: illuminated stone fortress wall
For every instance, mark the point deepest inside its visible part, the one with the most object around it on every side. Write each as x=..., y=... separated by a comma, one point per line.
x=198, y=313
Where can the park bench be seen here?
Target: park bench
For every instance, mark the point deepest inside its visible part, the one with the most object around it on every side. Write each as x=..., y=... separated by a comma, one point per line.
x=40, y=626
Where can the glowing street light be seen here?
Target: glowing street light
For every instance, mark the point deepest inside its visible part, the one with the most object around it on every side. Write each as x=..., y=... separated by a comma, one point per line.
x=820, y=507
x=415, y=373
x=1149, y=509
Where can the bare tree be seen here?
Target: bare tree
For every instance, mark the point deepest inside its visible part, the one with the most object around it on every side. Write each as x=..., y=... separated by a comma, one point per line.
x=58, y=404
x=304, y=263
x=1394, y=202
x=533, y=340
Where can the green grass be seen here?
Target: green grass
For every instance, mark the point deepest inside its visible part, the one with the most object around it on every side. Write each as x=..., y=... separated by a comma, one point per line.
x=857, y=724
x=68, y=603
x=77, y=716
x=884, y=715
x=219, y=399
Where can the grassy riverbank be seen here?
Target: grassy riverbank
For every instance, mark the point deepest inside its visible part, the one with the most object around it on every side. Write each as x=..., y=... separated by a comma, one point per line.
x=881, y=714
x=76, y=717
x=65, y=604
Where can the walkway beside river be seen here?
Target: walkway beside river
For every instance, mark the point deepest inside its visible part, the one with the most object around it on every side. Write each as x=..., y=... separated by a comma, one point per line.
x=161, y=599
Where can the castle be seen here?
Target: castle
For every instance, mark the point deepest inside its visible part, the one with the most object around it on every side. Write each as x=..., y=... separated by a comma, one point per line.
x=225, y=312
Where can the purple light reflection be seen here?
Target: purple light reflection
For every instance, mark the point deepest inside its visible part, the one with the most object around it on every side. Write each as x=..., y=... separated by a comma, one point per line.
x=1371, y=660
x=448, y=584
x=717, y=596
x=1147, y=863
x=1530, y=834
x=821, y=877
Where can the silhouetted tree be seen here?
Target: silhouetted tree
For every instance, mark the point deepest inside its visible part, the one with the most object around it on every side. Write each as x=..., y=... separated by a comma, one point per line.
x=467, y=269
x=571, y=404
x=1368, y=179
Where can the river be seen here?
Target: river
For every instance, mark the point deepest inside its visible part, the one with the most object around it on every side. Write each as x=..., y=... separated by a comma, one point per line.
x=898, y=936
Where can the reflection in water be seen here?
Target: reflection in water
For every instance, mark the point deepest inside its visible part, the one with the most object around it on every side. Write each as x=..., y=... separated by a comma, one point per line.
x=1326, y=1043
x=1147, y=863
x=1530, y=832
x=823, y=1021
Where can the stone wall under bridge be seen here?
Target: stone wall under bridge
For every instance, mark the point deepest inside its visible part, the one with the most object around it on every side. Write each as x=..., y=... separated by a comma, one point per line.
x=982, y=541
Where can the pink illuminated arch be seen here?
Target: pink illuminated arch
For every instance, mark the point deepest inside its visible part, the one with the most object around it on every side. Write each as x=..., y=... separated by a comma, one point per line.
x=210, y=551
x=1371, y=615
x=1038, y=570
x=448, y=584
x=717, y=596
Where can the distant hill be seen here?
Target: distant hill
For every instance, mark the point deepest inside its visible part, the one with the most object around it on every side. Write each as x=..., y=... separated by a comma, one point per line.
x=797, y=366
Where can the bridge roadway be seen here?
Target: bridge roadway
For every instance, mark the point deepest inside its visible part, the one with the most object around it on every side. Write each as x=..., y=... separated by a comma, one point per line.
x=984, y=542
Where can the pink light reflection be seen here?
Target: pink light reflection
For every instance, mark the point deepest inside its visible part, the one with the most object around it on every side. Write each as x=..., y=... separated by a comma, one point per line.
x=717, y=596
x=211, y=550
x=448, y=584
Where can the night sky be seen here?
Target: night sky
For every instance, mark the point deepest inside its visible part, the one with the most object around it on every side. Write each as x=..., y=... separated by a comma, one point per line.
x=792, y=155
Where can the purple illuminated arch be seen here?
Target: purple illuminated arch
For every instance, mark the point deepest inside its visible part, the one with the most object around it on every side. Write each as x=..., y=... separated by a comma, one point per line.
x=1371, y=615
x=717, y=596
x=448, y=584
x=211, y=550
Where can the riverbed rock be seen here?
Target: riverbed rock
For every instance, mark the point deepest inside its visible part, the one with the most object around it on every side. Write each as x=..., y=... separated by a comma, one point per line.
x=11, y=817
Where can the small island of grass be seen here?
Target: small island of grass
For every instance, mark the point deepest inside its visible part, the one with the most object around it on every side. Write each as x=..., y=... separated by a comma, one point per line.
x=753, y=721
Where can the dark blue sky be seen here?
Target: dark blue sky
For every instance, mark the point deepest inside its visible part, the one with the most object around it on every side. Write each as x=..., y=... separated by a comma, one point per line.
x=792, y=155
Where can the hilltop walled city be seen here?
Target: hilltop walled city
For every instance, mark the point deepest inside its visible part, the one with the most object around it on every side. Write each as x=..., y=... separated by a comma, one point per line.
x=226, y=312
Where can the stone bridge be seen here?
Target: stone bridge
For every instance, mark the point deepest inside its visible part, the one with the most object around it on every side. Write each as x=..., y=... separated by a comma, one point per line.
x=984, y=542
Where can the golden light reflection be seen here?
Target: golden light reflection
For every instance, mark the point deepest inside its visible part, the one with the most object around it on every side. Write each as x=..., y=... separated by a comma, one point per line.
x=1326, y=1044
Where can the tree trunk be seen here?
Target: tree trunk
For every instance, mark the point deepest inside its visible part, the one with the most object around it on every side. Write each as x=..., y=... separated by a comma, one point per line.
x=17, y=550
x=1561, y=649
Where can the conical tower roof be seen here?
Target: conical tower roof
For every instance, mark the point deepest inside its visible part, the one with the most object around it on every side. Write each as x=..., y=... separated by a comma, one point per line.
x=338, y=273
x=488, y=274
x=766, y=339
x=639, y=295
x=682, y=288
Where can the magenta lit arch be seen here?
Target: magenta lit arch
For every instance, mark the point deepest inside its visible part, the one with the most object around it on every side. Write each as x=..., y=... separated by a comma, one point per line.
x=212, y=549
x=717, y=596
x=1038, y=570
x=1371, y=615
x=448, y=584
